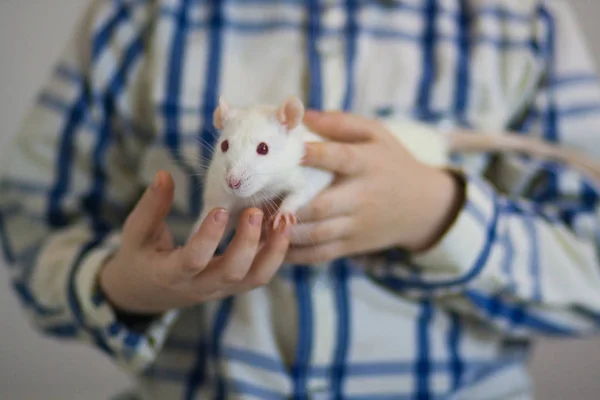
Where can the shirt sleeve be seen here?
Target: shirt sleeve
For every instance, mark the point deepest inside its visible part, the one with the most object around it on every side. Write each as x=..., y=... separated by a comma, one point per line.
x=528, y=264
x=68, y=181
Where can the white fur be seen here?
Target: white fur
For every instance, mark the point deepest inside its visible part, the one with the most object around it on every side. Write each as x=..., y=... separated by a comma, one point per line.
x=264, y=176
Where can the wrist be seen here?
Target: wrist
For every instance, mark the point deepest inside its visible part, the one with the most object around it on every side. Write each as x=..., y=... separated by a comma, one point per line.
x=110, y=284
x=443, y=202
x=113, y=286
x=135, y=321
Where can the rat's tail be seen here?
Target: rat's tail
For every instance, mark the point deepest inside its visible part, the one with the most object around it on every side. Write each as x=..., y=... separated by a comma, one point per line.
x=463, y=141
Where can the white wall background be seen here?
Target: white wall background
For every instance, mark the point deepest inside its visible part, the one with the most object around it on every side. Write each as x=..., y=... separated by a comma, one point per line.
x=33, y=367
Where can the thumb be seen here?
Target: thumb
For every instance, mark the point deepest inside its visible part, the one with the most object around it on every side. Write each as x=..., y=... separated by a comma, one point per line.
x=146, y=219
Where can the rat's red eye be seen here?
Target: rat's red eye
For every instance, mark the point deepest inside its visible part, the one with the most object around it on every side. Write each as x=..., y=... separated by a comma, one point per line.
x=224, y=146
x=262, y=149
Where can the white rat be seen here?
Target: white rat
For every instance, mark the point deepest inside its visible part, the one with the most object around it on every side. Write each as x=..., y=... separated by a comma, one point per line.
x=258, y=158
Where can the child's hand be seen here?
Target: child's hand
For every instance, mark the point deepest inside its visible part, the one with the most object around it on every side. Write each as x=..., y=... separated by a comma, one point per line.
x=149, y=275
x=383, y=196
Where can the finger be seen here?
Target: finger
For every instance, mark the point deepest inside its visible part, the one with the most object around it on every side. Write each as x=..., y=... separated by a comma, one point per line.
x=317, y=254
x=333, y=202
x=150, y=211
x=201, y=247
x=318, y=233
x=268, y=260
x=341, y=158
x=235, y=263
x=340, y=126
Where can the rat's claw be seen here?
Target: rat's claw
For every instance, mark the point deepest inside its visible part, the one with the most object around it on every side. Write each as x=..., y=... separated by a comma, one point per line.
x=287, y=218
x=290, y=219
x=276, y=221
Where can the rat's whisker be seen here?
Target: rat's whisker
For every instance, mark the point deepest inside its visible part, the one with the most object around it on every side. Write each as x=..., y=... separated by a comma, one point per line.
x=205, y=145
x=273, y=208
x=203, y=158
x=272, y=193
x=264, y=200
x=200, y=170
x=270, y=204
x=308, y=235
x=212, y=130
x=259, y=202
x=203, y=167
x=202, y=140
x=176, y=158
x=270, y=197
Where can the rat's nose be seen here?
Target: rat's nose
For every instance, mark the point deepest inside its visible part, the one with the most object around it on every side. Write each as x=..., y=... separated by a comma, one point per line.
x=233, y=183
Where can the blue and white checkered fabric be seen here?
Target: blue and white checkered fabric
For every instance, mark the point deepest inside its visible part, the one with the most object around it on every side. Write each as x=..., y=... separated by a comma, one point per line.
x=134, y=92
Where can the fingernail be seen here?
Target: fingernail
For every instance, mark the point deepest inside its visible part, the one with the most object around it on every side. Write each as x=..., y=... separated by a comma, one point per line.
x=156, y=181
x=221, y=215
x=255, y=218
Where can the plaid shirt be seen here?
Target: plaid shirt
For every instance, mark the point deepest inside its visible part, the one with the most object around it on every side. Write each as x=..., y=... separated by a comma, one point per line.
x=134, y=92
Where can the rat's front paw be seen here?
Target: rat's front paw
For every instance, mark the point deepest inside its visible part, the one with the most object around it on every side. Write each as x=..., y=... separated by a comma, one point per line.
x=287, y=218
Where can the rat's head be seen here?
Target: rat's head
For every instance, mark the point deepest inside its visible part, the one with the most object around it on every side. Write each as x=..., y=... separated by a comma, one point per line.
x=257, y=146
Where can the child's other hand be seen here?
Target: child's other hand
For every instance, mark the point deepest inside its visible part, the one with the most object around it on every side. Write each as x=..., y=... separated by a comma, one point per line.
x=149, y=275
x=382, y=197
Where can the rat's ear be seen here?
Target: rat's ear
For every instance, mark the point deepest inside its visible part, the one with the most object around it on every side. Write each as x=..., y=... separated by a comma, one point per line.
x=291, y=112
x=220, y=114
